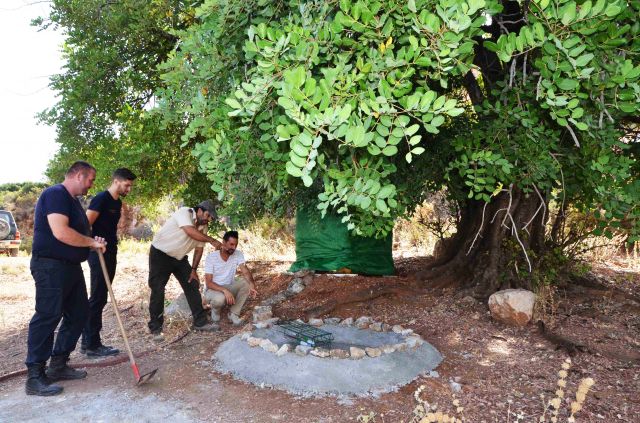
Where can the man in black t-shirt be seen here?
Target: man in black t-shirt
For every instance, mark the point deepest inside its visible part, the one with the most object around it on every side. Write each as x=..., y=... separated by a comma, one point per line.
x=103, y=214
x=61, y=241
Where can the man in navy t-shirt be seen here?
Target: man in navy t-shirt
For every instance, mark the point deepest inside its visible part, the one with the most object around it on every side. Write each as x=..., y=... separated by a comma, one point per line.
x=103, y=214
x=61, y=241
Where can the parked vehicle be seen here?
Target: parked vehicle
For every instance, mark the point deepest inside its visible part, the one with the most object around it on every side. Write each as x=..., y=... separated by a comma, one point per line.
x=9, y=234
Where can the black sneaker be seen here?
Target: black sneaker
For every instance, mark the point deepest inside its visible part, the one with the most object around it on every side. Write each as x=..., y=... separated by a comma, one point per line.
x=102, y=351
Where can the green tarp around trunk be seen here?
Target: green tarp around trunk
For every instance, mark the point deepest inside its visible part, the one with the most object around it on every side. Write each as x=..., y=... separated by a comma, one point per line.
x=325, y=244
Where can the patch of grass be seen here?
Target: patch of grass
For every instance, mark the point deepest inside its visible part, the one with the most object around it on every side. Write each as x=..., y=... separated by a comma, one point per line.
x=133, y=246
x=13, y=269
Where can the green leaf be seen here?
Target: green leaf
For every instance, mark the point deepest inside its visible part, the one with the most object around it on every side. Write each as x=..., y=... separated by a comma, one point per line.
x=282, y=132
x=567, y=84
x=411, y=5
x=382, y=206
x=569, y=13
x=306, y=180
x=345, y=112
x=437, y=121
x=612, y=10
x=577, y=113
x=437, y=105
x=297, y=160
x=415, y=139
x=293, y=170
x=299, y=149
x=286, y=103
x=386, y=191
x=233, y=103
x=426, y=100
x=582, y=126
x=584, y=59
x=355, y=135
x=418, y=150
x=402, y=120
x=365, y=203
x=305, y=139
x=411, y=130
x=295, y=76
x=390, y=150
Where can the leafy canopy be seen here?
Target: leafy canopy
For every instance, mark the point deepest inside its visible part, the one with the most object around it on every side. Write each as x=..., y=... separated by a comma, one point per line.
x=359, y=106
x=106, y=91
x=365, y=105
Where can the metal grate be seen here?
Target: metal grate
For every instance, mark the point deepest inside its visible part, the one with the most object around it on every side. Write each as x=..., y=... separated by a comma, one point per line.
x=306, y=334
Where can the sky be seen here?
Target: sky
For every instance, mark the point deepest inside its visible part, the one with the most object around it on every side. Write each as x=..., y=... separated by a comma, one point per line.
x=29, y=58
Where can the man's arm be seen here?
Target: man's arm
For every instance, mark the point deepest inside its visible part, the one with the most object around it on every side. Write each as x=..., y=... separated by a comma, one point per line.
x=249, y=278
x=95, y=208
x=59, y=224
x=92, y=216
x=208, y=280
x=197, y=255
x=193, y=233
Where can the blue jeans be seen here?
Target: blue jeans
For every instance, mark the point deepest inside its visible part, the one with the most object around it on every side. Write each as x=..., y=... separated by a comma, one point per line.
x=98, y=299
x=61, y=294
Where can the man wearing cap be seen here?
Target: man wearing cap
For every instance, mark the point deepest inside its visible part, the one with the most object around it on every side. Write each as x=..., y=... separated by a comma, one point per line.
x=184, y=231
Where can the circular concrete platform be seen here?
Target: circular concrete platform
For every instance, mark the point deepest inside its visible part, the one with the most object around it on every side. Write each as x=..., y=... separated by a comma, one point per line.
x=311, y=375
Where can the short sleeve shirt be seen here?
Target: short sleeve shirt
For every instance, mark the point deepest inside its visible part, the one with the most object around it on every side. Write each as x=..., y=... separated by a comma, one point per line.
x=174, y=241
x=223, y=272
x=57, y=200
x=106, y=224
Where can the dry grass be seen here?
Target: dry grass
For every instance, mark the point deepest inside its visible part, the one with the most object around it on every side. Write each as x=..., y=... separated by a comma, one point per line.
x=12, y=269
x=552, y=412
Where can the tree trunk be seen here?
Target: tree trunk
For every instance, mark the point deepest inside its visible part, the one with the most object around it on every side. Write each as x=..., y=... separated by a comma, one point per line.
x=486, y=254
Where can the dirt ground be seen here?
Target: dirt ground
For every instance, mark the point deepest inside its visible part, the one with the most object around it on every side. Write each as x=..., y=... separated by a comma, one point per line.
x=493, y=370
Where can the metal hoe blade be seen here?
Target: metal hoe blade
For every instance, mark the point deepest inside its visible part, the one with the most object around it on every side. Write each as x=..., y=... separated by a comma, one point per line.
x=146, y=377
x=136, y=373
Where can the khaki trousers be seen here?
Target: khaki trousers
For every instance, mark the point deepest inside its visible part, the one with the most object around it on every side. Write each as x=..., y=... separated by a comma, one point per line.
x=240, y=290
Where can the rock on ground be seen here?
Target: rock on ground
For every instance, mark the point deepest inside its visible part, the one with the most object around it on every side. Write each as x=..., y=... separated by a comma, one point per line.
x=513, y=307
x=178, y=308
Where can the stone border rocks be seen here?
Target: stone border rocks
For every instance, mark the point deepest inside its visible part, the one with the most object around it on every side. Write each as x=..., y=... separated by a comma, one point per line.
x=262, y=318
x=300, y=281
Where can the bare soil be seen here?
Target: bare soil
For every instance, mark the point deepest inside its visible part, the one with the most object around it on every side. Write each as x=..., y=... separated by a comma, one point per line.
x=500, y=370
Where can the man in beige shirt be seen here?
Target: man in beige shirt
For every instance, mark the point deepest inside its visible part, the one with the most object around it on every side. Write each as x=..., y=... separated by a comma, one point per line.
x=184, y=231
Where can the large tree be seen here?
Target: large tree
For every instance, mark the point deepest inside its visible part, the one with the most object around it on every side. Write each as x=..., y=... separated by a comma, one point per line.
x=106, y=91
x=367, y=106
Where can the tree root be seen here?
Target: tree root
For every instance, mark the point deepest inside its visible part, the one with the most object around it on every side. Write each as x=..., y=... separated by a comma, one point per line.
x=561, y=342
x=359, y=296
x=572, y=347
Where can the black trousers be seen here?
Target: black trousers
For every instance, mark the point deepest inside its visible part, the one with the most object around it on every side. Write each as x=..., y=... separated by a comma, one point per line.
x=98, y=299
x=61, y=294
x=161, y=267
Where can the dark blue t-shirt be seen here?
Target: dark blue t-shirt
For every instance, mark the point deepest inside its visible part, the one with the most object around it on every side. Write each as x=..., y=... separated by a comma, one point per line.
x=57, y=199
x=106, y=225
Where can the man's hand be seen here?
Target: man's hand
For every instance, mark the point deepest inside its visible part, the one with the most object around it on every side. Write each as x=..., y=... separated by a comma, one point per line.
x=216, y=244
x=228, y=296
x=99, y=244
x=194, y=276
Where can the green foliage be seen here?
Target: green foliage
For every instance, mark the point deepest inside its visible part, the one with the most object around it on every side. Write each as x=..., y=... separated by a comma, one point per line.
x=360, y=107
x=20, y=199
x=363, y=105
x=112, y=50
